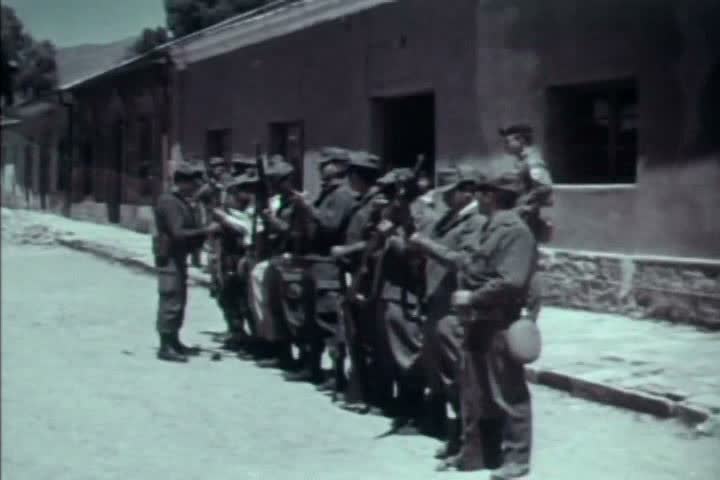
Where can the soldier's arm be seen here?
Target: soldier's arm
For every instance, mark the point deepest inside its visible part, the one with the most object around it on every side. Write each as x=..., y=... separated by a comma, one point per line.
x=447, y=257
x=540, y=183
x=174, y=218
x=515, y=265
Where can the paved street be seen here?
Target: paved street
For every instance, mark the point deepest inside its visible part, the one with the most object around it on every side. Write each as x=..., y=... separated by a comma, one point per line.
x=84, y=398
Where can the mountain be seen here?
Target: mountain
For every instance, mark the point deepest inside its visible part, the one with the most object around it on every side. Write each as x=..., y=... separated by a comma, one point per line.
x=82, y=60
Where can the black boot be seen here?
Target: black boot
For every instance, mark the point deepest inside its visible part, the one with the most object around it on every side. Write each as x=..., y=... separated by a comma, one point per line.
x=167, y=352
x=310, y=371
x=280, y=357
x=452, y=443
x=181, y=347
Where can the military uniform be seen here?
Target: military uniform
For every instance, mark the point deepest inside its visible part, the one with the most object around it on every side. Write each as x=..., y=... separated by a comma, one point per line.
x=492, y=383
x=178, y=234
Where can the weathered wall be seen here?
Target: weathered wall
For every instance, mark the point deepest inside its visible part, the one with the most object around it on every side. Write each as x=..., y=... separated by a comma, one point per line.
x=327, y=75
x=672, y=50
x=672, y=289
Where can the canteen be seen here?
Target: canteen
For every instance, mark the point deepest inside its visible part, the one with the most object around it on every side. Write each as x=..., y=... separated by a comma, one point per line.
x=523, y=341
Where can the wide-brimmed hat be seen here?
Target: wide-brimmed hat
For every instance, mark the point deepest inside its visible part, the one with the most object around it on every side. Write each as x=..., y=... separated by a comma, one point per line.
x=508, y=181
x=280, y=169
x=244, y=180
x=240, y=160
x=364, y=160
x=396, y=175
x=334, y=154
x=461, y=175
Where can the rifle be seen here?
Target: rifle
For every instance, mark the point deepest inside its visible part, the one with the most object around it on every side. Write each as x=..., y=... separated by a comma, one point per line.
x=262, y=202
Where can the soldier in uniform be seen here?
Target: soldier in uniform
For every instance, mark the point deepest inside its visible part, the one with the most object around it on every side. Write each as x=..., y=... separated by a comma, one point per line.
x=283, y=309
x=325, y=217
x=178, y=234
x=236, y=218
x=445, y=244
x=355, y=255
x=537, y=194
x=493, y=290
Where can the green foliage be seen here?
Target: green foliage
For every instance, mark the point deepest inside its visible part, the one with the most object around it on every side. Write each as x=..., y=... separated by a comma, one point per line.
x=149, y=39
x=28, y=65
x=187, y=16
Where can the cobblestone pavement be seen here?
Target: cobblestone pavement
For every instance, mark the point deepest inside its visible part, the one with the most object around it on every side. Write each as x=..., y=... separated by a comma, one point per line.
x=84, y=398
x=674, y=365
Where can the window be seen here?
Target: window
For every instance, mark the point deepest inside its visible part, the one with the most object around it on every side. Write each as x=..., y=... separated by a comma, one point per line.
x=217, y=143
x=592, y=133
x=287, y=139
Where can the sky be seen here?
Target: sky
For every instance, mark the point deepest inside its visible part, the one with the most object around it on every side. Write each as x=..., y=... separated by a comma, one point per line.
x=74, y=22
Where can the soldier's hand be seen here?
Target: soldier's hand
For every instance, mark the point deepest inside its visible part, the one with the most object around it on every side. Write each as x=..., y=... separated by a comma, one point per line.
x=213, y=228
x=337, y=251
x=462, y=298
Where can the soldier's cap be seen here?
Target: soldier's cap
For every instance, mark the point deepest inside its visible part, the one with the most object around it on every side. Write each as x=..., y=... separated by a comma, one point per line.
x=245, y=180
x=333, y=154
x=364, y=160
x=508, y=181
x=516, y=129
x=462, y=175
x=280, y=169
x=239, y=159
x=396, y=175
x=188, y=171
x=216, y=161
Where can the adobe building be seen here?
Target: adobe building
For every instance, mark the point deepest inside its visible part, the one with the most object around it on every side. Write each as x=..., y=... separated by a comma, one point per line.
x=623, y=96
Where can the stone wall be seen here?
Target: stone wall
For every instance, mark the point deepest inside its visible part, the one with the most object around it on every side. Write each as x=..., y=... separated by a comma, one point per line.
x=663, y=288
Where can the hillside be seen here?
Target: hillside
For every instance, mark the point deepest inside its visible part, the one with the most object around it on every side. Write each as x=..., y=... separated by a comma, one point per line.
x=81, y=60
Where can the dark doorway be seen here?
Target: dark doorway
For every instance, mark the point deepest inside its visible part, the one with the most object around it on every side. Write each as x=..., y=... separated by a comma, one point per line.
x=116, y=172
x=287, y=139
x=403, y=128
x=217, y=144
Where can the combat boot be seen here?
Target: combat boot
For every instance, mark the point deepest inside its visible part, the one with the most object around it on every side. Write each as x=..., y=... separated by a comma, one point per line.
x=181, y=348
x=167, y=352
x=310, y=371
x=452, y=443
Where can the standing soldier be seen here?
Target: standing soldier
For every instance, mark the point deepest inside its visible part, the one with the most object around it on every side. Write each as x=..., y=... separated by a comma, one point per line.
x=234, y=243
x=326, y=216
x=178, y=234
x=356, y=257
x=497, y=341
x=446, y=244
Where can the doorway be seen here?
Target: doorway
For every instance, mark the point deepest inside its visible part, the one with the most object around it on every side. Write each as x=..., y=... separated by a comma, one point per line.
x=403, y=128
x=287, y=139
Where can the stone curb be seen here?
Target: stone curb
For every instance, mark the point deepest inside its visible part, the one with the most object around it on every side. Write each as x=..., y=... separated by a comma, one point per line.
x=588, y=390
x=619, y=397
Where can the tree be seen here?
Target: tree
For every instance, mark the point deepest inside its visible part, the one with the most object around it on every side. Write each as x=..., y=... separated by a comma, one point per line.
x=187, y=16
x=149, y=39
x=28, y=66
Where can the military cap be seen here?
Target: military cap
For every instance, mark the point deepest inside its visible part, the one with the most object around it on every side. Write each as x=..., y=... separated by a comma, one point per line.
x=187, y=170
x=216, y=161
x=239, y=159
x=280, y=169
x=509, y=181
x=337, y=154
x=364, y=160
x=461, y=175
x=516, y=129
x=394, y=176
x=244, y=180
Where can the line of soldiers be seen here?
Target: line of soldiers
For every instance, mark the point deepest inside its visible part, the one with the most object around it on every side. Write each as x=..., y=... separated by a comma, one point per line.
x=428, y=294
